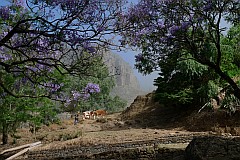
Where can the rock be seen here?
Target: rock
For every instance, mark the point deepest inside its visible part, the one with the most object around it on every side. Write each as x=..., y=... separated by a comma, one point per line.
x=127, y=85
x=212, y=147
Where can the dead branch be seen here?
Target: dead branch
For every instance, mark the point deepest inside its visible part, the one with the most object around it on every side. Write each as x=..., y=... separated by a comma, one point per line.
x=31, y=146
x=203, y=107
x=20, y=147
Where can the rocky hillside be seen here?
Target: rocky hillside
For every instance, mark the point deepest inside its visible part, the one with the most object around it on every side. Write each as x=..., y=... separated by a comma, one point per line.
x=127, y=85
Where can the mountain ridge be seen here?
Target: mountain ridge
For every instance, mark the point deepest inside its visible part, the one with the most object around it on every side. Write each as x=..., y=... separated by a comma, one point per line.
x=127, y=85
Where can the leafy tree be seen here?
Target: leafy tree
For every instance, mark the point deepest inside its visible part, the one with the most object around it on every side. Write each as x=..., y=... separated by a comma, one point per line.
x=192, y=82
x=231, y=48
x=40, y=37
x=186, y=82
x=181, y=30
x=15, y=111
x=41, y=41
x=40, y=110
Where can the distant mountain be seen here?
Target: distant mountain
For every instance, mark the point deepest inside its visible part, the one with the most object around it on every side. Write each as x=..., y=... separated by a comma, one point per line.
x=127, y=85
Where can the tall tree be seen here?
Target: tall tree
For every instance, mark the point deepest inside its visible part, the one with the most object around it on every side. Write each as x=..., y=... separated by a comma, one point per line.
x=184, y=29
x=40, y=37
x=15, y=111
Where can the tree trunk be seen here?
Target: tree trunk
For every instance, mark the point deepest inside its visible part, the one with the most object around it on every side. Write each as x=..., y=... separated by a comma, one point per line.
x=5, y=133
x=236, y=89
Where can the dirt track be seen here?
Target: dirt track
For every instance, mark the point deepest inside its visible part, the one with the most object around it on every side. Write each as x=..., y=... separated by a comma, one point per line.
x=143, y=120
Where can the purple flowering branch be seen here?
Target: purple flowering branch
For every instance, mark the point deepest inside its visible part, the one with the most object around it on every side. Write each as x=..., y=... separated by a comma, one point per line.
x=163, y=25
x=41, y=37
x=177, y=28
x=85, y=94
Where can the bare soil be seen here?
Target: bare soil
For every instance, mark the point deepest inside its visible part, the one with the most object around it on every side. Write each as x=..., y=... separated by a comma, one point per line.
x=90, y=132
x=143, y=120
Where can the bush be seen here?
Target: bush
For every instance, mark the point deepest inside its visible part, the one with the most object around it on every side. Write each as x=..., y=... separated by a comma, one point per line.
x=68, y=136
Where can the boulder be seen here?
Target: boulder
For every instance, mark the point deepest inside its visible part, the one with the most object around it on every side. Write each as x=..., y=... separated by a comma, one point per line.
x=213, y=148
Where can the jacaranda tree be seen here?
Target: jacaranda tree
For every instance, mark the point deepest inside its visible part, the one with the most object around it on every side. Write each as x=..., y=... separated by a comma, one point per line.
x=184, y=29
x=98, y=74
x=41, y=37
x=188, y=82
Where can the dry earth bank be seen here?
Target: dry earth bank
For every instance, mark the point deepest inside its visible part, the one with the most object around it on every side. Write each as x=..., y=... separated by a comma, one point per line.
x=143, y=120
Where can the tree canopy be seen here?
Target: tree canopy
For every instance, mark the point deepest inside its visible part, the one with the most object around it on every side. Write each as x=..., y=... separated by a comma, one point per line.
x=53, y=49
x=168, y=32
x=41, y=37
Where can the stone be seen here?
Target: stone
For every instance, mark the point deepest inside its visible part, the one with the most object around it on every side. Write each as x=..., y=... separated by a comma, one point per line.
x=213, y=147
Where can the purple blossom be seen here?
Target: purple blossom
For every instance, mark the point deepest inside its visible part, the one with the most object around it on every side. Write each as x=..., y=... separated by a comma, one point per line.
x=17, y=85
x=142, y=32
x=92, y=88
x=85, y=96
x=73, y=36
x=200, y=19
x=185, y=25
x=76, y=95
x=174, y=29
x=208, y=7
x=91, y=49
x=39, y=68
x=163, y=39
x=139, y=57
x=100, y=29
x=4, y=13
x=5, y=57
x=24, y=80
x=19, y=3
x=41, y=50
x=170, y=37
x=53, y=87
x=67, y=102
x=33, y=69
x=42, y=43
x=88, y=47
x=160, y=24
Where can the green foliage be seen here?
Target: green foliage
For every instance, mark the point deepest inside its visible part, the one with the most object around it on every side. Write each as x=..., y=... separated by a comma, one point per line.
x=186, y=65
x=230, y=103
x=231, y=48
x=15, y=111
x=115, y=104
x=185, y=41
x=99, y=74
x=181, y=79
x=184, y=81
